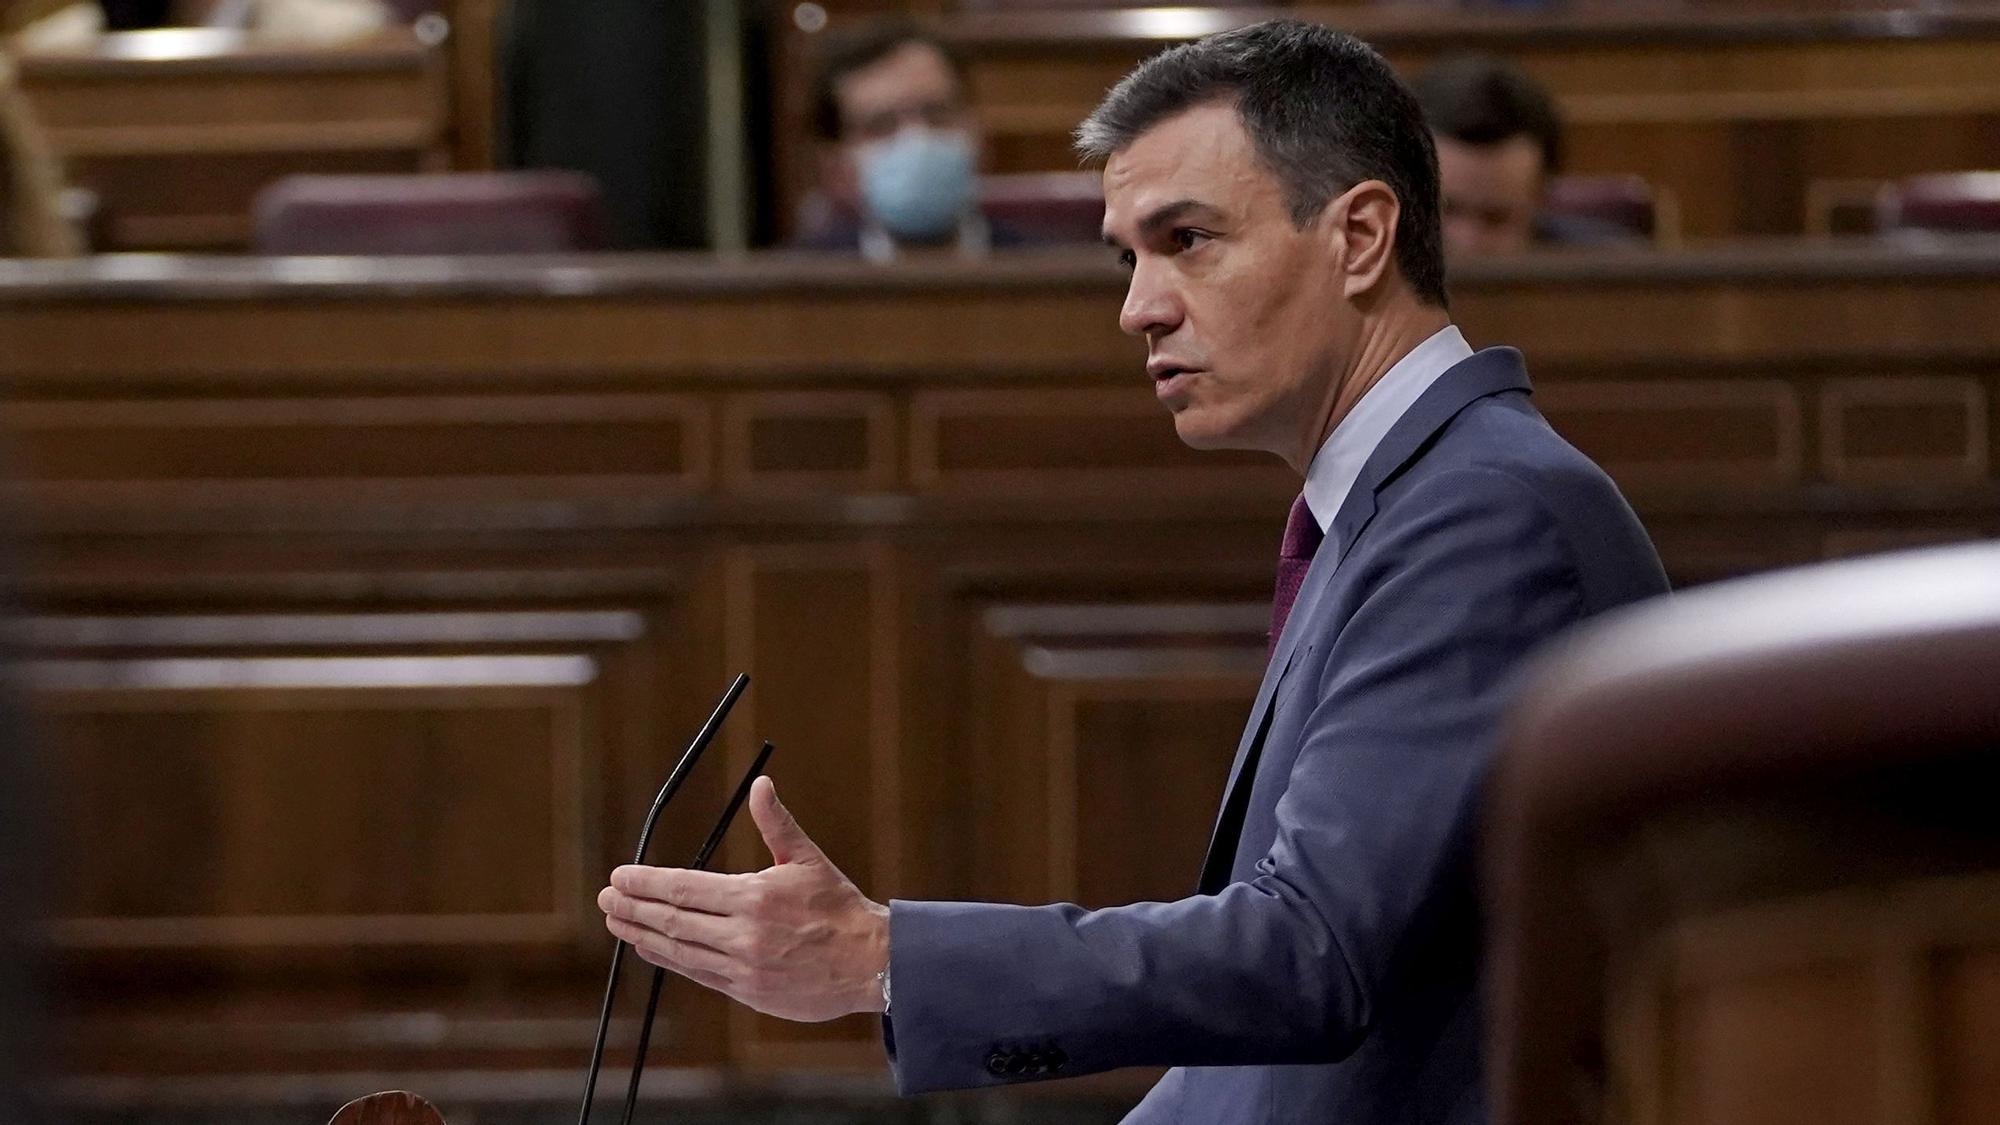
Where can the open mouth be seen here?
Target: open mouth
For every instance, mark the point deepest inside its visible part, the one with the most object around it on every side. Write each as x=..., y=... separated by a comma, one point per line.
x=1169, y=378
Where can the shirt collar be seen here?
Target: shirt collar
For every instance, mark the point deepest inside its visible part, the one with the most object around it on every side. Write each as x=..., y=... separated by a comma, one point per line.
x=1338, y=463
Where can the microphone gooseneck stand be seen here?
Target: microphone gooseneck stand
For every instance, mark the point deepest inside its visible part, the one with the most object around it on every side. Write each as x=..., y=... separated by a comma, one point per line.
x=700, y=863
x=680, y=772
x=398, y=1107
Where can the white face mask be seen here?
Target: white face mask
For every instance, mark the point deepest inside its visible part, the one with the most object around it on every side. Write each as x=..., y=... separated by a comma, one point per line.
x=919, y=183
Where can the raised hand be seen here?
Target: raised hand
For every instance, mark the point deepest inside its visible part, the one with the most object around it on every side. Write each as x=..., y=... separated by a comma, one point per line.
x=796, y=940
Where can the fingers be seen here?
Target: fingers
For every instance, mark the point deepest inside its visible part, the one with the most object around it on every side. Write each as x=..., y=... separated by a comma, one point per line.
x=706, y=980
x=711, y=930
x=782, y=834
x=684, y=957
x=705, y=891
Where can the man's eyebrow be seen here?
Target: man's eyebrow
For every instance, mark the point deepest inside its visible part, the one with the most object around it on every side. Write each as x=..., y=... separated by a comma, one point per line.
x=1164, y=215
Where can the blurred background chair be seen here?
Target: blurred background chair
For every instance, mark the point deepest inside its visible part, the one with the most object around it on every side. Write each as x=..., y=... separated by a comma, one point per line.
x=1744, y=862
x=1950, y=203
x=446, y=213
x=1626, y=202
x=1939, y=203
x=1047, y=207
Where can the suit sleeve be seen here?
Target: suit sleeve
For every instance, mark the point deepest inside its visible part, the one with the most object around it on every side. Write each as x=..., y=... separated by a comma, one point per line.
x=1460, y=578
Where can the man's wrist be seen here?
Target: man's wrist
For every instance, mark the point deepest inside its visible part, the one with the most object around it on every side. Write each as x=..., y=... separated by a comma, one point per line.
x=877, y=999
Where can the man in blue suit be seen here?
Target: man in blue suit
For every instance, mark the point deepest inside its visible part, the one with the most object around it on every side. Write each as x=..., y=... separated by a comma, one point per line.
x=1273, y=192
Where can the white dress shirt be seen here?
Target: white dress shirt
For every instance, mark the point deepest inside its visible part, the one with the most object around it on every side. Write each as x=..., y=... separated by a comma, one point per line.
x=1338, y=463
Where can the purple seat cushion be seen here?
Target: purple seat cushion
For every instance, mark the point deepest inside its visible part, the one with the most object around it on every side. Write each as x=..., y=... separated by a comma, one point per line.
x=540, y=212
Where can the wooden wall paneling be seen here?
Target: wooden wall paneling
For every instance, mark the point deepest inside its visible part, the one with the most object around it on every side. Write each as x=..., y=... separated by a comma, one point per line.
x=1875, y=537
x=292, y=802
x=1794, y=1048
x=809, y=441
x=817, y=626
x=1772, y=319
x=128, y=463
x=1102, y=735
x=947, y=332
x=1684, y=432
x=522, y=684
x=661, y=440
x=1138, y=757
x=1867, y=1005
x=337, y=800
x=1904, y=428
x=1067, y=442
x=1968, y=983
x=1698, y=544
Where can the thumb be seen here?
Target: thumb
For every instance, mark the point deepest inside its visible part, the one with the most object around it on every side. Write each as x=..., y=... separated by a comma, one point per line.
x=782, y=834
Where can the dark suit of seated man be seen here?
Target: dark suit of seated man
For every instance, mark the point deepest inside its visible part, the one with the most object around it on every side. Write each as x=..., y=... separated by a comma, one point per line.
x=1273, y=193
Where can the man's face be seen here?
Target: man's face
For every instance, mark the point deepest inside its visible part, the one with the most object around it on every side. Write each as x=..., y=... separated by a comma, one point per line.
x=1245, y=324
x=912, y=85
x=1491, y=194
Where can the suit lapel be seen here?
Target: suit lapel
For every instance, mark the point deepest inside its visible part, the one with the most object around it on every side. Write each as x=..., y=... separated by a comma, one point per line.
x=1484, y=373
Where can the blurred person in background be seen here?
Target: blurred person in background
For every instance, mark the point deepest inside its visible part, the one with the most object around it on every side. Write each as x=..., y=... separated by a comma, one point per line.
x=1499, y=142
x=32, y=224
x=900, y=153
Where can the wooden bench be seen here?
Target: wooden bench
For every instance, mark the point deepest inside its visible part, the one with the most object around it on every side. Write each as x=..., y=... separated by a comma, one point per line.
x=176, y=130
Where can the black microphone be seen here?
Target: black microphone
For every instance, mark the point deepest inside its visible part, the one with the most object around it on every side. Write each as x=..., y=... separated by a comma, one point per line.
x=674, y=781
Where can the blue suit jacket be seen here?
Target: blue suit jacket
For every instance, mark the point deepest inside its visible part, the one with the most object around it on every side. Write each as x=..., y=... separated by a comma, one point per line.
x=1327, y=969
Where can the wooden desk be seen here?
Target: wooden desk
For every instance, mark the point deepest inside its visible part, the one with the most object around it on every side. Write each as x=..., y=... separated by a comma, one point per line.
x=375, y=597
x=176, y=130
x=1735, y=109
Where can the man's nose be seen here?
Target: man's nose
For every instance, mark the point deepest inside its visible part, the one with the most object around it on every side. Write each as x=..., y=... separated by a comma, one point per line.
x=1151, y=306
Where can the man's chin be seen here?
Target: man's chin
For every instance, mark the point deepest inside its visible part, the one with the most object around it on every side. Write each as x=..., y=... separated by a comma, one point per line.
x=1199, y=432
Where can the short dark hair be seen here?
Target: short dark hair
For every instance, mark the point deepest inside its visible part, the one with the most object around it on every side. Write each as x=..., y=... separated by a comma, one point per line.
x=852, y=51
x=1324, y=111
x=1481, y=100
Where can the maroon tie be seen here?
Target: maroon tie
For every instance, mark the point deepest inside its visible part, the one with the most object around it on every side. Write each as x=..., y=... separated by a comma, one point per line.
x=1295, y=556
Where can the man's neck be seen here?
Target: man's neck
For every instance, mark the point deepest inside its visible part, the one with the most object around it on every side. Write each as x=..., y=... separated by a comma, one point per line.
x=1384, y=341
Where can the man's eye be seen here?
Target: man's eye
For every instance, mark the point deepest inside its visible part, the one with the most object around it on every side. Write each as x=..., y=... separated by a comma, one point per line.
x=1128, y=259
x=1187, y=238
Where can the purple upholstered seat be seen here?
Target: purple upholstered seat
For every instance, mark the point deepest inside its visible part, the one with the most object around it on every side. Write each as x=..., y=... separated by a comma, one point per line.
x=1947, y=203
x=539, y=212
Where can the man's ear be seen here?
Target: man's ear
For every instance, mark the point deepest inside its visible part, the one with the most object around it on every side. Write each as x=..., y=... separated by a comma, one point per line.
x=1362, y=221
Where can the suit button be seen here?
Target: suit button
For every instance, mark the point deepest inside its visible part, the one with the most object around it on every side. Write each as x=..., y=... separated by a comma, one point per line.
x=1056, y=1059
x=1017, y=1065
x=996, y=1065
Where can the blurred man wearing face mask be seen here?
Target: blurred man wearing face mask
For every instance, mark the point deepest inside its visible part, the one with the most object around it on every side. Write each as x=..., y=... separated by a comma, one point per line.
x=900, y=159
x=1499, y=142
